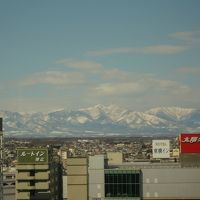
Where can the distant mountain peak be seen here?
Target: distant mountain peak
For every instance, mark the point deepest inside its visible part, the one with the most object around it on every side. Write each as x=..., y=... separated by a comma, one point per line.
x=102, y=119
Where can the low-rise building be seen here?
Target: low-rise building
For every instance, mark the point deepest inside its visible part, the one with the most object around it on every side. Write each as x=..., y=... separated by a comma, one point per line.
x=142, y=180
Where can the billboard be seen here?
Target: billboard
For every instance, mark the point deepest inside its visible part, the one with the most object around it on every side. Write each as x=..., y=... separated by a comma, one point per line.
x=161, y=148
x=32, y=156
x=189, y=142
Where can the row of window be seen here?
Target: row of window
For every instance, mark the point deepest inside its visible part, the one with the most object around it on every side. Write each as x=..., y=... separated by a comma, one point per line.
x=122, y=185
x=122, y=190
x=122, y=178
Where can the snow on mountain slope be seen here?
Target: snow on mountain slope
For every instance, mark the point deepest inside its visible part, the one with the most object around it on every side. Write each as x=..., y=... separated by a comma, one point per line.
x=175, y=113
x=105, y=119
x=113, y=112
x=139, y=119
x=95, y=112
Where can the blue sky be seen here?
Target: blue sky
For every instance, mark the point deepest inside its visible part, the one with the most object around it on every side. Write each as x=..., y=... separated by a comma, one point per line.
x=72, y=54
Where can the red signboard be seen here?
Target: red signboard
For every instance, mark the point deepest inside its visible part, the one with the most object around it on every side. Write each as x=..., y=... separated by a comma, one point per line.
x=189, y=142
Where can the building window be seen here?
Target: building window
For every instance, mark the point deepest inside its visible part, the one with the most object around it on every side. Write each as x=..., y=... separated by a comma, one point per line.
x=32, y=173
x=32, y=183
x=32, y=193
x=122, y=184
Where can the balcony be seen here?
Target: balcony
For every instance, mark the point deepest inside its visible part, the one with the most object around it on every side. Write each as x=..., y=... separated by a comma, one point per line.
x=24, y=176
x=42, y=186
x=23, y=195
x=38, y=167
x=32, y=167
x=24, y=186
x=42, y=175
x=25, y=167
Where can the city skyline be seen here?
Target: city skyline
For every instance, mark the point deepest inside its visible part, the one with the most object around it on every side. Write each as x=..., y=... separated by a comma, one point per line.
x=74, y=54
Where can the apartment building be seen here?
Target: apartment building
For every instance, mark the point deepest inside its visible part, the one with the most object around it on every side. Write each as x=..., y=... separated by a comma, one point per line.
x=39, y=175
x=9, y=184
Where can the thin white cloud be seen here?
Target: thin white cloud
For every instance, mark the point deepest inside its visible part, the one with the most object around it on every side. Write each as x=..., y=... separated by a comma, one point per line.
x=140, y=86
x=81, y=73
x=115, y=74
x=189, y=70
x=118, y=88
x=156, y=49
x=57, y=78
x=107, y=85
x=84, y=65
x=106, y=81
x=163, y=49
x=169, y=87
x=189, y=37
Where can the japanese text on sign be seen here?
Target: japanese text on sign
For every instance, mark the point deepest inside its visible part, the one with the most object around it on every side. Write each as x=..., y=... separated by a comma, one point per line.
x=191, y=139
x=161, y=148
x=189, y=142
x=32, y=156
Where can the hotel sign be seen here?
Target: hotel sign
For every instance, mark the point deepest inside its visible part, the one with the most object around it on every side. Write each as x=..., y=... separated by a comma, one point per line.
x=161, y=148
x=32, y=156
x=189, y=142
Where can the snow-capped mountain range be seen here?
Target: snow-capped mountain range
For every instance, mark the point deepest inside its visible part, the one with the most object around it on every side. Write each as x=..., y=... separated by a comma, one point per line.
x=102, y=121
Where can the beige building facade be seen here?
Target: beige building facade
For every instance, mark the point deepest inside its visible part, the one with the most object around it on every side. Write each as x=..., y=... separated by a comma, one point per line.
x=77, y=178
x=115, y=158
x=37, y=175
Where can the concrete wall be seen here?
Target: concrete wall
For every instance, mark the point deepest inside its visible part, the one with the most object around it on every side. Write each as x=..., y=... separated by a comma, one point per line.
x=115, y=158
x=77, y=179
x=190, y=159
x=96, y=177
x=65, y=188
x=171, y=183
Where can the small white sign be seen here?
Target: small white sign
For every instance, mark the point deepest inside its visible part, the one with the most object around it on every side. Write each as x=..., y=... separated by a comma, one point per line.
x=161, y=148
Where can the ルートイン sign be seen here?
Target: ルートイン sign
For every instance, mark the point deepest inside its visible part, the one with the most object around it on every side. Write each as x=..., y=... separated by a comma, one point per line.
x=32, y=156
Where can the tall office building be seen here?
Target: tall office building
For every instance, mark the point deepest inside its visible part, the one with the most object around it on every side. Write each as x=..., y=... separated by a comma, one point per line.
x=39, y=175
x=1, y=159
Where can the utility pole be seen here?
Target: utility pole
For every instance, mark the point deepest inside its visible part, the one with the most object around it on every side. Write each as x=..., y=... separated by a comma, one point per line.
x=1, y=159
